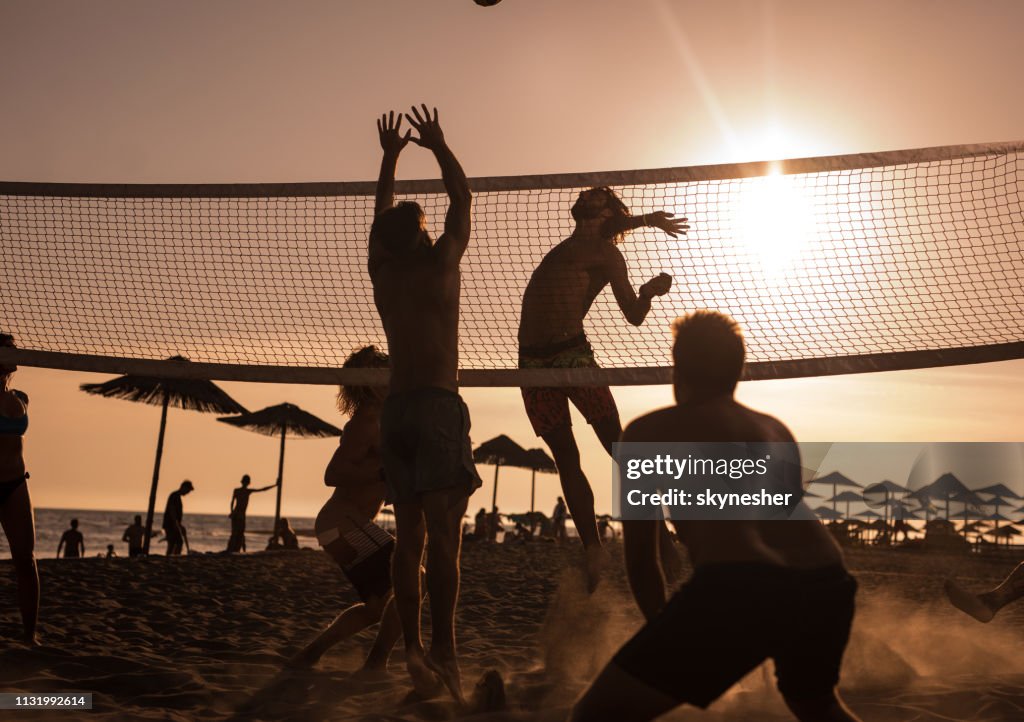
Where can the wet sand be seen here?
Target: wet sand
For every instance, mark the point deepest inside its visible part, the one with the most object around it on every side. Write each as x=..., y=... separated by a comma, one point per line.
x=204, y=637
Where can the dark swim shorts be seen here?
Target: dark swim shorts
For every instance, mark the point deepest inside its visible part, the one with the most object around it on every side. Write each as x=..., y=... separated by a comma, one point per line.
x=425, y=445
x=548, y=407
x=731, y=617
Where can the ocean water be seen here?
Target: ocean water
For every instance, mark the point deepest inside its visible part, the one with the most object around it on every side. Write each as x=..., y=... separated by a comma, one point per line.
x=206, y=532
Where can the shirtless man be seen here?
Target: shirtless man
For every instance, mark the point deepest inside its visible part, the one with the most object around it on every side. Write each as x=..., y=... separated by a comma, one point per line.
x=555, y=303
x=134, y=534
x=985, y=605
x=759, y=589
x=72, y=542
x=428, y=459
x=345, y=525
x=239, y=507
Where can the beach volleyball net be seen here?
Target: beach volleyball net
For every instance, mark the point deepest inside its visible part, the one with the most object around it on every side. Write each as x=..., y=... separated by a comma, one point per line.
x=831, y=265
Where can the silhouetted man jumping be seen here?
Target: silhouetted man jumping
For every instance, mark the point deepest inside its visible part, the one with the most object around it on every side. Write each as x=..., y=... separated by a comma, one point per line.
x=556, y=301
x=425, y=447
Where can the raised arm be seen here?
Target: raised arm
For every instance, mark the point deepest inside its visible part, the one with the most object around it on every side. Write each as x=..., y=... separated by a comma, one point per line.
x=457, y=221
x=635, y=306
x=391, y=142
x=667, y=222
x=265, y=488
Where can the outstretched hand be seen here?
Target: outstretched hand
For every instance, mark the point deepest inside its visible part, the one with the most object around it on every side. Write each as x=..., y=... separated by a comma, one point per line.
x=668, y=223
x=657, y=286
x=431, y=135
x=391, y=139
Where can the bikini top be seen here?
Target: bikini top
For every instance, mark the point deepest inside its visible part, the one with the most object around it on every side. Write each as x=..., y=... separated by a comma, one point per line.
x=15, y=426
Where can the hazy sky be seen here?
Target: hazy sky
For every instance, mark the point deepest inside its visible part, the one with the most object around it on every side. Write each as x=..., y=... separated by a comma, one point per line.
x=234, y=91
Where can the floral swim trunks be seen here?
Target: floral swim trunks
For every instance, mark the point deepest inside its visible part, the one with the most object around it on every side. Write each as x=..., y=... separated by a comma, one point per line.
x=548, y=407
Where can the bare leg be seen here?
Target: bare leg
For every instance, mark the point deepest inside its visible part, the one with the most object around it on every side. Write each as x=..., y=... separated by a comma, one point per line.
x=387, y=635
x=410, y=534
x=347, y=624
x=827, y=708
x=983, y=607
x=444, y=525
x=19, y=526
x=580, y=498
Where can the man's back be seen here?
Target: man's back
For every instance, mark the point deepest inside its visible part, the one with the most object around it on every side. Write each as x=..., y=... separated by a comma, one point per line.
x=417, y=298
x=800, y=543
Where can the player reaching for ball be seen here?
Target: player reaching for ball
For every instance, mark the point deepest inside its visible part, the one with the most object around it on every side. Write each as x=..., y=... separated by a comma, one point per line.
x=555, y=303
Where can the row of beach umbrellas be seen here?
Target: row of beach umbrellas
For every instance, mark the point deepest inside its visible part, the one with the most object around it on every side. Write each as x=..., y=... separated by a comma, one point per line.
x=281, y=421
x=893, y=499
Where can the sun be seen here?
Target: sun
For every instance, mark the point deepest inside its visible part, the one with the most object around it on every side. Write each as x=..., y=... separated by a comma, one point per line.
x=773, y=219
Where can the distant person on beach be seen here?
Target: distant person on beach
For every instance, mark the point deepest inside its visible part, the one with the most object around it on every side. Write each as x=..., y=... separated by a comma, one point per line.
x=239, y=506
x=556, y=302
x=425, y=446
x=72, y=542
x=134, y=535
x=494, y=525
x=174, y=529
x=480, y=524
x=284, y=537
x=15, y=505
x=985, y=605
x=759, y=589
x=558, y=517
x=345, y=525
x=111, y=554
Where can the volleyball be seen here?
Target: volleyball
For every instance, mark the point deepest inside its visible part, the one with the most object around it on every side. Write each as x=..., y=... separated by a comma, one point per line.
x=486, y=3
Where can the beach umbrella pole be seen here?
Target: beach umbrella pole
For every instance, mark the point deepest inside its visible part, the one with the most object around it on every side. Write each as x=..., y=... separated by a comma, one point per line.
x=156, y=472
x=280, y=482
x=533, y=491
x=494, y=496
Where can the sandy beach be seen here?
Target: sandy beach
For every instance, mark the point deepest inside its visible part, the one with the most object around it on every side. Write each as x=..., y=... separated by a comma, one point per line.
x=204, y=637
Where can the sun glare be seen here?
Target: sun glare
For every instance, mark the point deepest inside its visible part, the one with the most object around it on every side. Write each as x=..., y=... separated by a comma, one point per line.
x=773, y=220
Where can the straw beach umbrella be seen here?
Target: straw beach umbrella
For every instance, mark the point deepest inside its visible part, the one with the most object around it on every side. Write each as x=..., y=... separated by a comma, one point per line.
x=282, y=420
x=847, y=496
x=835, y=479
x=189, y=394
x=501, y=451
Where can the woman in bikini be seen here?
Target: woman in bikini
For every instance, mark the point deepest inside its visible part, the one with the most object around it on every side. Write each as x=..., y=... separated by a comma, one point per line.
x=15, y=505
x=345, y=526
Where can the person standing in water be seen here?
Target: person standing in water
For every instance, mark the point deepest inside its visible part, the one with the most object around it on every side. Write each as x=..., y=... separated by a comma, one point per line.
x=72, y=542
x=239, y=507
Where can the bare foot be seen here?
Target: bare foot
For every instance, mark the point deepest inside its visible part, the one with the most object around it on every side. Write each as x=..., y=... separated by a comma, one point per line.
x=425, y=683
x=448, y=670
x=31, y=640
x=968, y=603
x=489, y=693
x=598, y=559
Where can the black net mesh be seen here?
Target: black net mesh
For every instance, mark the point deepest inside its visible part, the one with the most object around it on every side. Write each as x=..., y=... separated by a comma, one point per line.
x=887, y=259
